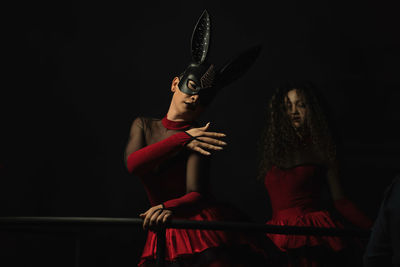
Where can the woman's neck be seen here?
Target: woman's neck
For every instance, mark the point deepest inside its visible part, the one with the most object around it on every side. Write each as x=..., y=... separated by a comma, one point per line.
x=175, y=115
x=175, y=124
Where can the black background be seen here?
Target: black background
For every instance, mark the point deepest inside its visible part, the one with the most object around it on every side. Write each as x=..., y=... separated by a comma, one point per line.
x=78, y=73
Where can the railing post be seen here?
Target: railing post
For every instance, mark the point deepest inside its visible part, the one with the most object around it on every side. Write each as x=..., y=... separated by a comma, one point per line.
x=77, y=249
x=160, y=252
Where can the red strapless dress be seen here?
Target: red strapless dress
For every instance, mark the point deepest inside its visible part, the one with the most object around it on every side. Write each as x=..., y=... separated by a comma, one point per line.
x=295, y=200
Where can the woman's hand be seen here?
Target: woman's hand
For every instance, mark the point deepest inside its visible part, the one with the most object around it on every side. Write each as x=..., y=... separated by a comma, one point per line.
x=155, y=217
x=205, y=140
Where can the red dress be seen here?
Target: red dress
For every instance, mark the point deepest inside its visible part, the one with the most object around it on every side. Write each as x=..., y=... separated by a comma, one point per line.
x=295, y=199
x=166, y=183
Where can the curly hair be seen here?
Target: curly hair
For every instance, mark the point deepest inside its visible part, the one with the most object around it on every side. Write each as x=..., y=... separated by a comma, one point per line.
x=279, y=138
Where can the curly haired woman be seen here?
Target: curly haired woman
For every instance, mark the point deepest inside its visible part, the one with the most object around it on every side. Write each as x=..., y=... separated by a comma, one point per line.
x=298, y=157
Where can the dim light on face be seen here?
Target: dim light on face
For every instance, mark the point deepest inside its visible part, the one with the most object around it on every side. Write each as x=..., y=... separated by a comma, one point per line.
x=296, y=108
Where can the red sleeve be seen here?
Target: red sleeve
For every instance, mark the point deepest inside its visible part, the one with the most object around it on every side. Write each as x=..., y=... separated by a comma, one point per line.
x=197, y=176
x=351, y=213
x=184, y=202
x=148, y=157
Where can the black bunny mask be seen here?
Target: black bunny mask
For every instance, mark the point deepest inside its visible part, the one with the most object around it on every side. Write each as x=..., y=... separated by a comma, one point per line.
x=204, y=79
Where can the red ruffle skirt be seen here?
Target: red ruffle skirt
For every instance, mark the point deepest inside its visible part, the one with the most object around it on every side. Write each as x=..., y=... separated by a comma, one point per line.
x=185, y=242
x=302, y=217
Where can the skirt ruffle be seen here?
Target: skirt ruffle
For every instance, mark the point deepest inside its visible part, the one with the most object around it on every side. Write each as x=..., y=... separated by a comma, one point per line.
x=181, y=243
x=296, y=217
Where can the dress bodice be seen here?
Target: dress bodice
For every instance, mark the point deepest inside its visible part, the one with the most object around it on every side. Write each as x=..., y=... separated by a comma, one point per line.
x=297, y=187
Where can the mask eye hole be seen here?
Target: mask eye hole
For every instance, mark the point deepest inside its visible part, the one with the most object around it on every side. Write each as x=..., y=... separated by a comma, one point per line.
x=192, y=85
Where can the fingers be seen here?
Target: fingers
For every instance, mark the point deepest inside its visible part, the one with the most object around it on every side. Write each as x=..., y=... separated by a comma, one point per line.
x=212, y=141
x=200, y=147
x=143, y=215
x=214, y=134
x=201, y=151
x=159, y=219
x=153, y=219
x=205, y=128
x=167, y=217
x=148, y=217
x=208, y=146
x=163, y=217
x=202, y=131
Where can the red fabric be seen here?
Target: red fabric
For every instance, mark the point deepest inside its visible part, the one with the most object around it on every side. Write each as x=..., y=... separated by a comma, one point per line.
x=185, y=242
x=189, y=199
x=350, y=211
x=181, y=242
x=166, y=183
x=150, y=156
x=295, y=198
x=300, y=217
x=175, y=125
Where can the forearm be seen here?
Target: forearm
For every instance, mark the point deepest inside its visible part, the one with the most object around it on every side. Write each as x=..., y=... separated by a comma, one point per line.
x=150, y=156
x=352, y=213
x=185, y=203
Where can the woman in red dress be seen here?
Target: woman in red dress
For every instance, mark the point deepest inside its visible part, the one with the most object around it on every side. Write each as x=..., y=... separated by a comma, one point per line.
x=170, y=156
x=298, y=159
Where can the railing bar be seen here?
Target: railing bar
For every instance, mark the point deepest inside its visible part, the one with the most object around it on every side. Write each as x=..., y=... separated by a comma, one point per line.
x=181, y=224
x=274, y=229
x=69, y=220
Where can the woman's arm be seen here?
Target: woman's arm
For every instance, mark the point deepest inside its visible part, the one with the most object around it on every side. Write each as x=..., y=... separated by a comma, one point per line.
x=197, y=177
x=140, y=158
x=333, y=181
x=342, y=204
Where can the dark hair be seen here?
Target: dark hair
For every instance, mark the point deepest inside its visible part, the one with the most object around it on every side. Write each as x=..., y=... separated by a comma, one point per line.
x=279, y=138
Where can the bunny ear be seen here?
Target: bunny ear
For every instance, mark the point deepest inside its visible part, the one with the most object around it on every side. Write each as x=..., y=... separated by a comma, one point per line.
x=201, y=38
x=235, y=68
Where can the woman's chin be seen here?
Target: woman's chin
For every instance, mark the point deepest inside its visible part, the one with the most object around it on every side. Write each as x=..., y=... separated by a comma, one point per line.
x=297, y=125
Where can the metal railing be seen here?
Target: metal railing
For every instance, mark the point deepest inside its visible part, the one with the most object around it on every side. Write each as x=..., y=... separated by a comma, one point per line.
x=32, y=224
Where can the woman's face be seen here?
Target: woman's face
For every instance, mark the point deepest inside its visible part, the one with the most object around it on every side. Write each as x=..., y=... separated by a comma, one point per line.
x=296, y=108
x=187, y=105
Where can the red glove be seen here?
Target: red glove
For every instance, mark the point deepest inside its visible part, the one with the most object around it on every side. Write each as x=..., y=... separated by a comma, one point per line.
x=354, y=215
x=183, y=203
x=150, y=156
